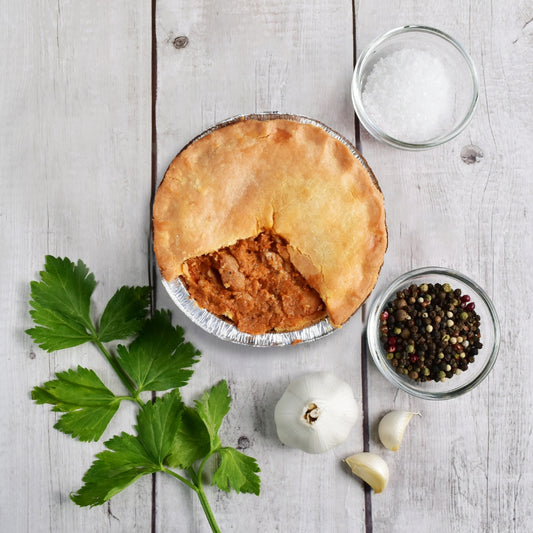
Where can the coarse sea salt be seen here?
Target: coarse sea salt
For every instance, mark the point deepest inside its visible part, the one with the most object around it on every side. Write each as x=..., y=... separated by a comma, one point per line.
x=409, y=95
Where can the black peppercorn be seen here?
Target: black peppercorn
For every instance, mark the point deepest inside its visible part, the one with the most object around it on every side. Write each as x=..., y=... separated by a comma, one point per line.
x=430, y=332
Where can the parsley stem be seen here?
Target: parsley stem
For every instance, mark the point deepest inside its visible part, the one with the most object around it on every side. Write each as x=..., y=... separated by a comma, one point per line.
x=197, y=480
x=202, y=464
x=130, y=398
x=196, y=485
x=181, y=478
x=128, y=383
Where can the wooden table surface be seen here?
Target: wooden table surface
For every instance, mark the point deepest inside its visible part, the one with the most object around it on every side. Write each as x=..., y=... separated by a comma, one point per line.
x=97, y=98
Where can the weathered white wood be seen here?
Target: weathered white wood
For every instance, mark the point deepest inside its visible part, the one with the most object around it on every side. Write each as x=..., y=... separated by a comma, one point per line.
x=245, y=57
x=464, y=466
x=75, y=166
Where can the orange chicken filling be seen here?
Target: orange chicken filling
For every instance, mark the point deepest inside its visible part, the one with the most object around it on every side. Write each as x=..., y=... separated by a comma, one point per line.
x=254, y=285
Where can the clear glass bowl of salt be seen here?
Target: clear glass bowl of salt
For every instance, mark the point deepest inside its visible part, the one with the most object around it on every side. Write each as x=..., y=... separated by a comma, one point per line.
x=415, y=87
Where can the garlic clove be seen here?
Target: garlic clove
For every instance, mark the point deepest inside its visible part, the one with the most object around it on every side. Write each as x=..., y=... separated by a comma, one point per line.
x=392, y=427
x=371, y=468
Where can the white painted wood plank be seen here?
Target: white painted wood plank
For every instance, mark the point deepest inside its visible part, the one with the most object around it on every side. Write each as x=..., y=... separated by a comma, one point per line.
x=75, y=167
x=245, y=57
x=464, y=466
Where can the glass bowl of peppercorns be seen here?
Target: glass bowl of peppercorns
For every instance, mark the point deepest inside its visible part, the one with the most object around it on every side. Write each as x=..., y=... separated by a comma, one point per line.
x=434, y=333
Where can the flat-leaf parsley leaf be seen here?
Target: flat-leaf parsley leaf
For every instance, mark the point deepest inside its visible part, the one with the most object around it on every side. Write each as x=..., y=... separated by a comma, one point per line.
x=212, y=407
x=236, y=471
x=169, y=434
x=61, y=305
x=158, y=359
x=89, y=405
x=124, y=313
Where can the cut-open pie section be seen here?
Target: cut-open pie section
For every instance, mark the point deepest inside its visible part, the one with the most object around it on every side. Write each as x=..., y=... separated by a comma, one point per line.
x=254, y=284
x=292, y=196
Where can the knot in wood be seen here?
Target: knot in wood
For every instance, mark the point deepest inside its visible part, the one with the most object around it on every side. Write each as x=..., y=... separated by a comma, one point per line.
x=243, y=443
x=180, y=42
x=471, y=154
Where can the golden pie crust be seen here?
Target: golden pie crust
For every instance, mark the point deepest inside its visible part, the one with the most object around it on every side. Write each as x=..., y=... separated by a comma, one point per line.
x=279, y=176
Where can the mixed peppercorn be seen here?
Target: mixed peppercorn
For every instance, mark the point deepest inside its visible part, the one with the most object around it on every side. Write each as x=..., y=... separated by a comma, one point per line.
x=430, y=332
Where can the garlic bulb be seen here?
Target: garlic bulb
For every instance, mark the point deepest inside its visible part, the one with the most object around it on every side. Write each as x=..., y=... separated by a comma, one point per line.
x=371, y=468
x=316, y=412
x=392, y=427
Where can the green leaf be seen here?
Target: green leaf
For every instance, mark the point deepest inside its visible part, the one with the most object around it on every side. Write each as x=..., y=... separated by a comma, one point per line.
x=130, y=457
x=60, y=332
x=124, y=462
x=159, y=359
x=124, y=313
x=237, y=471
x=212, y=407
x=157, y=424
x=89, y=405
x=61, y=304
x=191, y=441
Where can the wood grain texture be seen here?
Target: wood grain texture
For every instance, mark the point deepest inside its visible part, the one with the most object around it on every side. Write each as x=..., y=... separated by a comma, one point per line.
x=246, y=57
x=75, y=125
x=463, y=465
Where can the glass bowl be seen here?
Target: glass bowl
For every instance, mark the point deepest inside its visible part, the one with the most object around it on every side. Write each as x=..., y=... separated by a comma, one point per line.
x=489, y=327
x=452, y=85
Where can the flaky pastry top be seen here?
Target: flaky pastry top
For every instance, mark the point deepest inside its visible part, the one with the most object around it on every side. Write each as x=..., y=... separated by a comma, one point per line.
x=293, y=179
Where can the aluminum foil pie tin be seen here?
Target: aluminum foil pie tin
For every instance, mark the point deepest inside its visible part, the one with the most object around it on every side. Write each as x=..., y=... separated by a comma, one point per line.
x=223, y=329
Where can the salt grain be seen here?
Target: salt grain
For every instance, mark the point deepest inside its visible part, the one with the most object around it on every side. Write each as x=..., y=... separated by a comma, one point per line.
x=409, y=95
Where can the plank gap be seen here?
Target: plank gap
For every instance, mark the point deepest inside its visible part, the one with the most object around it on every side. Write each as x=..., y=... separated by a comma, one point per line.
x=356, y=124
x=152, y=273
x=364, y=367
x=366, y=421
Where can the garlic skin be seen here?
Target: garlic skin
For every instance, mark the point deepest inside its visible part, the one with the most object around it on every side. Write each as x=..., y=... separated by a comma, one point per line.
x=371, y=468
x=316, y=412
x=392, y=427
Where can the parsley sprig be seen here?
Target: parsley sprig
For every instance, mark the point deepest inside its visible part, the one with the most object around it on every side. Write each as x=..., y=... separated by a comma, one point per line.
x=169, y=434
